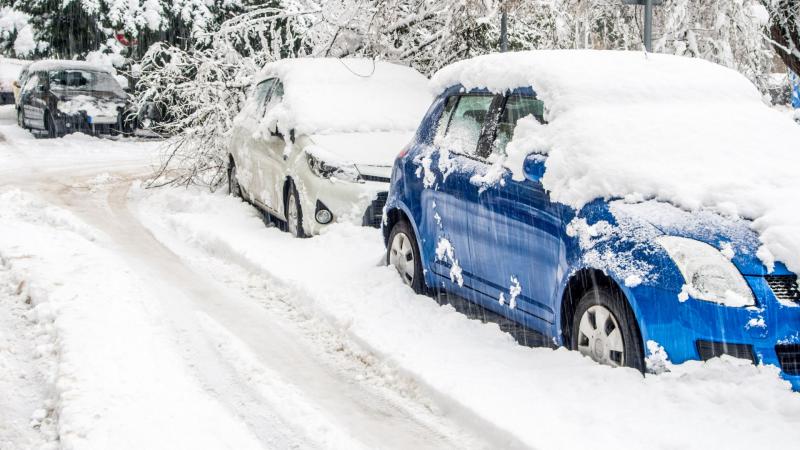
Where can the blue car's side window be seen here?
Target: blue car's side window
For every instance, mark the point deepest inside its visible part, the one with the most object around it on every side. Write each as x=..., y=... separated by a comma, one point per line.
x=444, y=119
x=517, y=107
x=466, y=123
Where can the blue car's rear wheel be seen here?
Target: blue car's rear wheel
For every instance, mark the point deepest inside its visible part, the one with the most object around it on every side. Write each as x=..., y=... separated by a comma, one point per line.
x=403, y=254
x=604, y=329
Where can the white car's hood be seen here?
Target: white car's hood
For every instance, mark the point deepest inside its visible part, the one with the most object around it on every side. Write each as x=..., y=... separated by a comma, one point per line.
x=363, y=149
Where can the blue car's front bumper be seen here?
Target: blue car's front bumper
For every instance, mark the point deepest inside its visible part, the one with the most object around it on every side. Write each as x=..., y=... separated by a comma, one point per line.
x=767, y=333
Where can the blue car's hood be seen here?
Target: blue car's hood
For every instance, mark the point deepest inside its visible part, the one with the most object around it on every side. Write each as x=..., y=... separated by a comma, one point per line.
x=711, y=228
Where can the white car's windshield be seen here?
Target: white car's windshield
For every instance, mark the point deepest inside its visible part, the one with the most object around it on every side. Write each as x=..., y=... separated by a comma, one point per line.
x=84, y=80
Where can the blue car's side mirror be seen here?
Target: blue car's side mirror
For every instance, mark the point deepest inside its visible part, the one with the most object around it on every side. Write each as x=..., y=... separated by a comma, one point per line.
x=534, y=167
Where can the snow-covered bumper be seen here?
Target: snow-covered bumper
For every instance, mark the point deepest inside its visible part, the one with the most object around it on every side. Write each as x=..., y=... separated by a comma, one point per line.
x=359, y=203
x=767, y=333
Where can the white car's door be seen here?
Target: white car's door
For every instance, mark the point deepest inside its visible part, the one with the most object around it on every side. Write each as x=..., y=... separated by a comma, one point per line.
x=244, y=141
x=271, y=146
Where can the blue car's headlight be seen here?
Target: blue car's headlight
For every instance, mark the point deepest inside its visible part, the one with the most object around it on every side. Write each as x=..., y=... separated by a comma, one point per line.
x=707, y=273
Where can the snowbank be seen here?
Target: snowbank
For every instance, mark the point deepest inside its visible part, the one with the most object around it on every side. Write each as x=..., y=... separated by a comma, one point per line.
x=551, y=399
x=325, y=95
x=121, y=381
x=638, y=126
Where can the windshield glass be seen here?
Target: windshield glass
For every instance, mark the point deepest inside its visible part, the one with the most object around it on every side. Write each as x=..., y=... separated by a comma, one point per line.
x=84, y=80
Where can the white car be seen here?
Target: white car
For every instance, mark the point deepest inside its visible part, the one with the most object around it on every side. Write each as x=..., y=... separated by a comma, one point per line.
x=315, y=142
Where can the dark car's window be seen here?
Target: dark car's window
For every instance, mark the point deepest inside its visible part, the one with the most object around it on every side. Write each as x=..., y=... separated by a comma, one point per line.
x=84, y=80
x=517, y=107
x=465, y=125
x=31, y=84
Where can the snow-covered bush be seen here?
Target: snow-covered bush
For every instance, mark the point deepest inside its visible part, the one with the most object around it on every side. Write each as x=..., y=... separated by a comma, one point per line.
x=16, y=34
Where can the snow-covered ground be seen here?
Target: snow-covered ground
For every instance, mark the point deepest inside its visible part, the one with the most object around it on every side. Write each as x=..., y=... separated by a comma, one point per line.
x=173, y=318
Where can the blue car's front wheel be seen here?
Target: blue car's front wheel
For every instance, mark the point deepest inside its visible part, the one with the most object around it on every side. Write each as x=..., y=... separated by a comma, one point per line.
x=605, y=330
x=403, y=255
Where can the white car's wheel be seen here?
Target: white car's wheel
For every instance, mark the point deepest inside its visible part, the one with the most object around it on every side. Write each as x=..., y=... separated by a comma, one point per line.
x=233, y=182
x=294, y=213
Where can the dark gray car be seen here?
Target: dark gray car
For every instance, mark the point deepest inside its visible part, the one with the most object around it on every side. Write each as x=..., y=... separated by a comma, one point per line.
x=62, y=97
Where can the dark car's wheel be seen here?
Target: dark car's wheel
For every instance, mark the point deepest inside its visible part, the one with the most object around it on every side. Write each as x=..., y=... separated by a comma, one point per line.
x=604, y=329
x=294, y=213
x=403, y=254
x=233, y=183
x=21, y=117
x=50, y=126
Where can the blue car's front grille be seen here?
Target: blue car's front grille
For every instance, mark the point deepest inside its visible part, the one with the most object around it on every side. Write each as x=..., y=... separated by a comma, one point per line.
x=784, y=287
x=789, y=358
x=710, y=349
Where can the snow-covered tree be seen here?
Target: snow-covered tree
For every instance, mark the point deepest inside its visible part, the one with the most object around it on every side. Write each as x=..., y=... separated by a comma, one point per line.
x=785, y=31
x=74, y=27
x=17, y=35
x=727, y=32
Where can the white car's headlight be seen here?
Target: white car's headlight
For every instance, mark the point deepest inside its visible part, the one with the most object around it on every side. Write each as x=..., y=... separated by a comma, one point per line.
x=320, y=168
x=707, y=273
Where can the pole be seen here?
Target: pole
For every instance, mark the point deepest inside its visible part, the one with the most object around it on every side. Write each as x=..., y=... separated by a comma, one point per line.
x=504, y=31
x=648, y=25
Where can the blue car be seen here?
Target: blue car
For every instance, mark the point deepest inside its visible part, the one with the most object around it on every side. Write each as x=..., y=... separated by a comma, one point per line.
x=505, y=246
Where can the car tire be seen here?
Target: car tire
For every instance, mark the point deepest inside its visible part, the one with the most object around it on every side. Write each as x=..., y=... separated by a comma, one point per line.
x=294, y=213
x=233, y=183
x=605, y=329
x=402, y=253
x=21, y=117
x=50, y=126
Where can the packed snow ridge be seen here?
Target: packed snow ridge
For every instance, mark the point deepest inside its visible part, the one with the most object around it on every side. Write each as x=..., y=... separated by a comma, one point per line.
x=642, y=126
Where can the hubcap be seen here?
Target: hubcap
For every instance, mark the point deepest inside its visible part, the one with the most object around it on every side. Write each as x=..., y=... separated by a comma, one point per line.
x=401, y=256
x=600, y=338
x=292, y=215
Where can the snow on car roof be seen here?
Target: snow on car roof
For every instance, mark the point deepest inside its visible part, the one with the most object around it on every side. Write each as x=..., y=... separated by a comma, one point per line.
x=648, y=126
x=58, y=64
x=351, y=94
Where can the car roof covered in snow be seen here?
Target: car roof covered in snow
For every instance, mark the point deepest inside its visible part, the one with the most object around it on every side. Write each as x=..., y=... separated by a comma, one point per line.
x=62, y=64
x=580, y=77
x=642, y=126
x=350, y=95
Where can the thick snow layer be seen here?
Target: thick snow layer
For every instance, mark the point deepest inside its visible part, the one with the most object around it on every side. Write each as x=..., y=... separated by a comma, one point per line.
x=641, y=126
x=371, y=149
x=92, y=106
x=62, y=64
x=327, y=95
x=540, y=398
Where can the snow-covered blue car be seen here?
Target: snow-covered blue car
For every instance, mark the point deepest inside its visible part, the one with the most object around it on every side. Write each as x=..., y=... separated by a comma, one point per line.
x=632, y=207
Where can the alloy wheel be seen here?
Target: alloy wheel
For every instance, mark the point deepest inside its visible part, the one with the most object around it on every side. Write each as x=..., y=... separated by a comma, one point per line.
x=401, y=256
x=292, y=215
x=600, y=338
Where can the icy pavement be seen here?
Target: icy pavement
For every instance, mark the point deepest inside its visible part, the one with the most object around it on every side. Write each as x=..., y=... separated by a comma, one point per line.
x=174, y=318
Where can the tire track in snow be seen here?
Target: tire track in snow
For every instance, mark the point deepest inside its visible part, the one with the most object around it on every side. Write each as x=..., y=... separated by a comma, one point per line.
x=335, y=411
